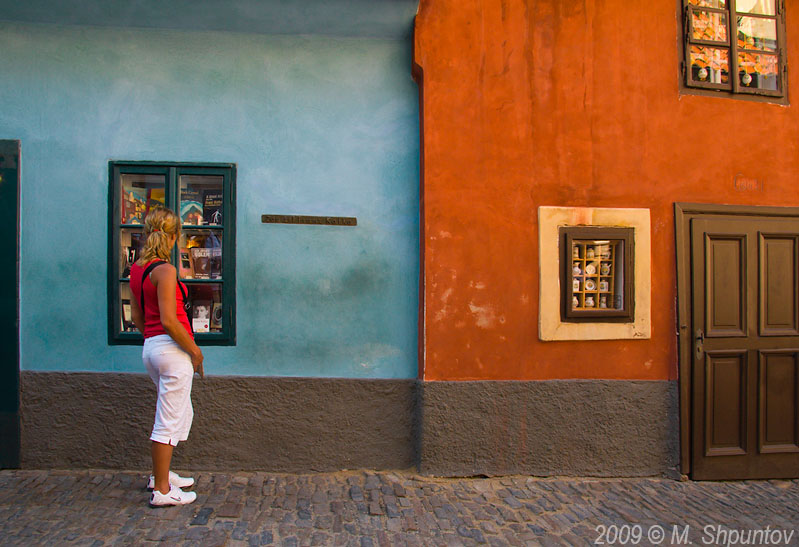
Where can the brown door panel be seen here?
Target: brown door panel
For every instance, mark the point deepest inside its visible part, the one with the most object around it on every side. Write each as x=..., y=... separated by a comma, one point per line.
x=725, y=401
x=745, y=379
x=778, y=401
x=725, y=304
x=779, y=290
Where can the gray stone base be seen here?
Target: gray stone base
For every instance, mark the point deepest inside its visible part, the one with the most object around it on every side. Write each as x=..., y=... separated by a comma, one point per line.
x=558, y=427
x=277, y=424
x=590, y=428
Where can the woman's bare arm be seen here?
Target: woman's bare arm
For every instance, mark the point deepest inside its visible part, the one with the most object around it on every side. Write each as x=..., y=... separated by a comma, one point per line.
x=165, y=283
x=137, y=314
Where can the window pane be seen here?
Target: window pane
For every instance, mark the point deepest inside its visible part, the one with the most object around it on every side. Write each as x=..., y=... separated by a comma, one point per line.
x=205, y=313
x=757, y=33
x=201, y=199
x=200, y=254
x=721, y=4
x=710, y=65
x=758, y=71
x=709, y=25
x=139, y=193
x=762, y=7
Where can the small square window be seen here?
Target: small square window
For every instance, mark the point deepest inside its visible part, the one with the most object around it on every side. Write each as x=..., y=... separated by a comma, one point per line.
x=597, y=274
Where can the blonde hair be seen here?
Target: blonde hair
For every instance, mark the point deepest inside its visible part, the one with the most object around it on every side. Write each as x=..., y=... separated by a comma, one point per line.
x=159, y=227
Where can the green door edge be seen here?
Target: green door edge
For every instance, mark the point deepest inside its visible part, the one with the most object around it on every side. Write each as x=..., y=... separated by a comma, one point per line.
x=9, y=300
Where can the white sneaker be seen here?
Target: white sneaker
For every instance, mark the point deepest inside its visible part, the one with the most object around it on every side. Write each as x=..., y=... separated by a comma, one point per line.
x=174, y=478
x=175, y=496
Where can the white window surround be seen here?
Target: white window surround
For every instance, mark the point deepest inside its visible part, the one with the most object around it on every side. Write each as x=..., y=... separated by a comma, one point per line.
x=550, y=325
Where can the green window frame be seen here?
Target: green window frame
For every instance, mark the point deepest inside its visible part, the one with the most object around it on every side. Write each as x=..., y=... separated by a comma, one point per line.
x=735, y=48
x=195, y=191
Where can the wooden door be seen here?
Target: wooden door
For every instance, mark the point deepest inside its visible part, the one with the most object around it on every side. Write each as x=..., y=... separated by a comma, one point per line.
x=745, y=370
x=9, y=299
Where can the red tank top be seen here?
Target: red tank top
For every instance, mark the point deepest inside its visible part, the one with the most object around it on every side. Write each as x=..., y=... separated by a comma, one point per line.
x=152, y=314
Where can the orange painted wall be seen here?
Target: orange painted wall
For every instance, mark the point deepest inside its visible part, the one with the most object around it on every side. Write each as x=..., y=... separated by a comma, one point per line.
x=568, y=103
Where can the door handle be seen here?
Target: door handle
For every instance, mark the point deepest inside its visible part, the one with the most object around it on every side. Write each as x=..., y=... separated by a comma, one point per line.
x=699, y=344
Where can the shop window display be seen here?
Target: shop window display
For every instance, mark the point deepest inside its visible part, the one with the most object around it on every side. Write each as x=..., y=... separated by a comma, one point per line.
x=202, y=195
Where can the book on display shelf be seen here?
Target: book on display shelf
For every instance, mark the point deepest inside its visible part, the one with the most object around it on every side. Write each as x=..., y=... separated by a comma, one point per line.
x=191, y=207
x=127, y=317
x=212, y=206
x=201, y=262
x=184, y=262
x=216, y=316
x=201, y=315
x=129, y=257
x=132, y=252
x=215, y=271
x=212, y=242
x=138, y=200
x=134, y=207
x=137, y=241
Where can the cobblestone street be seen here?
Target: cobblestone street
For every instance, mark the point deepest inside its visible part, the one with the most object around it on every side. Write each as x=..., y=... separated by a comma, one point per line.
x=393, y=508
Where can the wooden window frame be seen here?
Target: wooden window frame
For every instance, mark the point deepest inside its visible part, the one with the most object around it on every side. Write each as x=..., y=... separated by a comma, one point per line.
x=734, y=88
x=172, y=172
x=568, y=234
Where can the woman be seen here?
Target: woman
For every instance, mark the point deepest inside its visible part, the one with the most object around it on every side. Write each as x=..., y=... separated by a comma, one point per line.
x=170, y=354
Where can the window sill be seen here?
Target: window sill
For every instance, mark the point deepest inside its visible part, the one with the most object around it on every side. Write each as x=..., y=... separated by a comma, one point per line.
x=685, y=90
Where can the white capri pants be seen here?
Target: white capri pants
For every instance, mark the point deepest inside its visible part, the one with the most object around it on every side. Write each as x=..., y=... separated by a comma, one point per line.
x=171, y=371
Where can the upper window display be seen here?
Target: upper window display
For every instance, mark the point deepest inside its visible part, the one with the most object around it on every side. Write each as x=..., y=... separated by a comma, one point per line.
x=735, y=46
x=202, y=195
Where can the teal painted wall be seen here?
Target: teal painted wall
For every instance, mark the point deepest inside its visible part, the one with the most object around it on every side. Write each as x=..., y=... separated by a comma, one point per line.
x=376, y=18
x=316, y=125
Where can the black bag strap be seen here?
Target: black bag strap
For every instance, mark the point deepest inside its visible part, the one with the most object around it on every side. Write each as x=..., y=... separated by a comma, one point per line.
x=153, y=265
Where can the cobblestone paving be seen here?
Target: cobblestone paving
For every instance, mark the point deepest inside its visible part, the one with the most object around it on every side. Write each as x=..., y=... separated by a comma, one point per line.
x=367, y=509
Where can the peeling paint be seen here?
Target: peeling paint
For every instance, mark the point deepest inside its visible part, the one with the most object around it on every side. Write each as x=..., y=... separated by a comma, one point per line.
x=446, y=294
x=485, y=315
